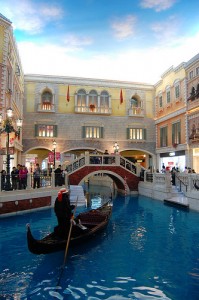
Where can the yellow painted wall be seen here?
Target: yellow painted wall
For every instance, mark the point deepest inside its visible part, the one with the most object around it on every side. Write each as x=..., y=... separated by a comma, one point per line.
x=69, y=107
x=169, y=79
x=30, y=97
x=63, y=105
x=149, y=104
x=175, y=104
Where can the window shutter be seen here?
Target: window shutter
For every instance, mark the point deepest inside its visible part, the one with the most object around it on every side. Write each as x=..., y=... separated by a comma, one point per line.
x=179, y=132
x=55, y=131
x=83, y=132
x=144, y=133
x=101, y=132
x=36, y=130
x=128, y=133
x=173, y=133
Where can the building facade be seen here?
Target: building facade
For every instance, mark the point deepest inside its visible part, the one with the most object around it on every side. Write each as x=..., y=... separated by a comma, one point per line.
x=83, y=114
x=170, y=119
x=11, y=93
x=192, y=75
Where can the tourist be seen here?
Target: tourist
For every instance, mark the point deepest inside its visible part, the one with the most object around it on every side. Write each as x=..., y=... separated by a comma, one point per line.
x=36, y=177
x=17, y=172
x=14, y=176
x=23, y=177
x=3, y=179
x=186, y=170
x=58, y=176
x=163, y=168
x=173, y=175
x=63, y=210
x=106, y=159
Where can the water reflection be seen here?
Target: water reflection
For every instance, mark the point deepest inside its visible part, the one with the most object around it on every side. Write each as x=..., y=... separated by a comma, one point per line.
x=138, y=256
x=138, y=238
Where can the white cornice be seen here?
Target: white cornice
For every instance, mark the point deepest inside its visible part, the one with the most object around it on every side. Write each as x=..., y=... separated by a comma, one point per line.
x=192, y=61
x=86, y=81
x=5, y=20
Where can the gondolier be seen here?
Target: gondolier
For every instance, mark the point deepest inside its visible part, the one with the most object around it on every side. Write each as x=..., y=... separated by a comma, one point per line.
x=63, y=210
x=94, y=220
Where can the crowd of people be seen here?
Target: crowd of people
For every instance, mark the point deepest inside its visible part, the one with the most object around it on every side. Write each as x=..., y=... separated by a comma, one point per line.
x=19, y=175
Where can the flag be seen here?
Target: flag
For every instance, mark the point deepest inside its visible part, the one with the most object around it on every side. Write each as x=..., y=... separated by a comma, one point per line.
x=68, y=95
x=121, y=97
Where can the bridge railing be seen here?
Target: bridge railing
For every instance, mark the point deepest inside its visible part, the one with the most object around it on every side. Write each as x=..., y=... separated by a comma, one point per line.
x=100, y=159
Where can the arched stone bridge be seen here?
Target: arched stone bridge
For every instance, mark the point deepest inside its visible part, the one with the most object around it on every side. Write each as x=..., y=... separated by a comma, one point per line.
x=124, y=173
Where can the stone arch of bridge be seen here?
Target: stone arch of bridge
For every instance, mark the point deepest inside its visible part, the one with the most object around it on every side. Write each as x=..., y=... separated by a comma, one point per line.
x=117, y=179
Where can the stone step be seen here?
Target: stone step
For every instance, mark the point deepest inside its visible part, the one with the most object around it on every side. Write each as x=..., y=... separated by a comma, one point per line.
x=179, y=200
x=77, y=191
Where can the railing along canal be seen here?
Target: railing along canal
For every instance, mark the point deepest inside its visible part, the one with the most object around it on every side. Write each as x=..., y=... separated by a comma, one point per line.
x=44, y=181
x=184, y=182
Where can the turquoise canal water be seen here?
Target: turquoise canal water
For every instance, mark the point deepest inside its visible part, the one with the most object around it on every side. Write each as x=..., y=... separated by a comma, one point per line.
x=148, y=251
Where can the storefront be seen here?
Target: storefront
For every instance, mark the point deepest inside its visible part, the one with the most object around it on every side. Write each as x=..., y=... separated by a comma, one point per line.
x=173, y=159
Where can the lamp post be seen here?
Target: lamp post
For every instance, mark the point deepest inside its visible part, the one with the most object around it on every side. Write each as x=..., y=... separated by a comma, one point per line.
x=54, y=149
x=6, y=126
x=116, y=148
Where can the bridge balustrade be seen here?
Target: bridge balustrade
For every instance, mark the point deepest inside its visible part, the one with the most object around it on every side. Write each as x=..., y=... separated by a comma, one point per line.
x=100, y=159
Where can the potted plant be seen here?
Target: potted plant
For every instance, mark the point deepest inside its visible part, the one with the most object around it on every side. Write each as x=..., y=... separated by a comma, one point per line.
x=92, y=107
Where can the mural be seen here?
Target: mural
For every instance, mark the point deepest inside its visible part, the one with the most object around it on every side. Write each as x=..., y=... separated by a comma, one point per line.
x=194, y=129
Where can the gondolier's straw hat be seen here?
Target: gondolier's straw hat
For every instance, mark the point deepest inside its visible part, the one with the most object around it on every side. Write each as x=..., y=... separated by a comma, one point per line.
x=61, y=192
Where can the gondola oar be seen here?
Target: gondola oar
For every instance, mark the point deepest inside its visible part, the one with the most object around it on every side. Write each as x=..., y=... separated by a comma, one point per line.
x=67, y=244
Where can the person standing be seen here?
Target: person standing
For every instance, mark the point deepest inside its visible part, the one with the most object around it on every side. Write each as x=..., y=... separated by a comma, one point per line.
x=36, y=177
x=106, y=159
x=58, y=176
x=23, y=177
x=163, y=168
x=14, y=176
x=63, y=210
x=3, y=179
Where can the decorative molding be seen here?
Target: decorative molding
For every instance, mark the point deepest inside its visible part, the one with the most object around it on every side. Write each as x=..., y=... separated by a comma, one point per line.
x=87, y=81
x=171, y=115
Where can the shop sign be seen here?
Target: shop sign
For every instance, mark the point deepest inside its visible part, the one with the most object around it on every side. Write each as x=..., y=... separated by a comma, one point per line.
x=51, y=156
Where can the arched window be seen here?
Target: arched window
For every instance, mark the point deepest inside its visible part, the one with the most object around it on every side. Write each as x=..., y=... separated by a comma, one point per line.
x=81, y=98
x=104, y=100
x=133, y=102
x=46, y=100
x=135, y=106
x=92, y=100
x=177, y=88
x=168, y=94
x=160, y=99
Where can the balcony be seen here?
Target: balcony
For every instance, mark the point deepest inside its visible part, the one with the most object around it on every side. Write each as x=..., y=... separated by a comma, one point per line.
x=93, y=110
x=45, y=107
x=136, y=112
x=193, y=104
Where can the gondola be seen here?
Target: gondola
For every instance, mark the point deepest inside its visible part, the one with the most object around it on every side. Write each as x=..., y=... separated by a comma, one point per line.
x=92, y=222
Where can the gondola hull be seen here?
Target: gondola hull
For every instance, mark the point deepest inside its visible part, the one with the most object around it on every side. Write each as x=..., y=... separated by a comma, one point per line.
x=93, y=222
